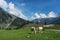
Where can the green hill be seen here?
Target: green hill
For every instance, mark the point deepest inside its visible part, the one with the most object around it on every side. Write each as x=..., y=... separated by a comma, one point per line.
x=8, y=21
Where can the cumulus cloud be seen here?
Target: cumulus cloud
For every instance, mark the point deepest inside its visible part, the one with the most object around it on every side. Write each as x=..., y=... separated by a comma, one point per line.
x=3, y=4
x=37, y=15
x=52, y=14
x=43, y=15
x=11, y=6
x=16, y=12
x=11, y=9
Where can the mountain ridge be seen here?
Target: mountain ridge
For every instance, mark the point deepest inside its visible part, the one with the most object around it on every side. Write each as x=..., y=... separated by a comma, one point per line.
x=10, y=21
x=55, y=20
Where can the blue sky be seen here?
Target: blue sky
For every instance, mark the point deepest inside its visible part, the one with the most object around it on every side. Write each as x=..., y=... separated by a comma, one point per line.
x=36, y=8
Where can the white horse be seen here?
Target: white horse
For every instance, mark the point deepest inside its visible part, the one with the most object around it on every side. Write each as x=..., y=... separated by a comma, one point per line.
x=40, y=29
x=33, y=29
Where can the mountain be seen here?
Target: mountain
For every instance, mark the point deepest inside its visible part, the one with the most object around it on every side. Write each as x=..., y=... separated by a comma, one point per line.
x=9, y=21
x=55, y=20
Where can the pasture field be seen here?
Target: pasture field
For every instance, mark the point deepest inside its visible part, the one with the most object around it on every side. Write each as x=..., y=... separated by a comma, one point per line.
x=24, y=34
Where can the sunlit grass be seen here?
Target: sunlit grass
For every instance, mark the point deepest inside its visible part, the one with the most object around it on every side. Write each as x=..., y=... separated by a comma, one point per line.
x=23, y=34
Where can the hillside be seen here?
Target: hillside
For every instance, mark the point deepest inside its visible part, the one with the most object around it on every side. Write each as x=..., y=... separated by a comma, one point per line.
x=10, y=21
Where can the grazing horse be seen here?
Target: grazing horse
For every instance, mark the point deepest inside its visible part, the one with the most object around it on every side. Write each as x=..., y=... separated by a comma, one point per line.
x=33, y=29
x=40, y=29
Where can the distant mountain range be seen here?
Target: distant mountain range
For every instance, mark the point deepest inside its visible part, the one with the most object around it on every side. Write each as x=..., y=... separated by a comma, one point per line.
x=9, y=21
x=55, y=20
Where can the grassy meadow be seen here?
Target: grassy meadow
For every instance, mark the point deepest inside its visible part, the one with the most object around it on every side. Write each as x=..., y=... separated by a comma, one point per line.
x=24, y=34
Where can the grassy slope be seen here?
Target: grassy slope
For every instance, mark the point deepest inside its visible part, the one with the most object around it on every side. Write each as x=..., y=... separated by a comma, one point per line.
x=22, y=34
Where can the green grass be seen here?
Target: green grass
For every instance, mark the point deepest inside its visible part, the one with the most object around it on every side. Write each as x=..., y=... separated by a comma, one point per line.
x=23, y=34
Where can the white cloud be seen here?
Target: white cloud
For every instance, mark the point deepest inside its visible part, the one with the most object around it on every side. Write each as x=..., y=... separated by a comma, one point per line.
x=52, y=14
x=11, y=9
x=11, y=6
x=37, y=15
x=3, y=4
x=43, y=15
x=16, y=12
